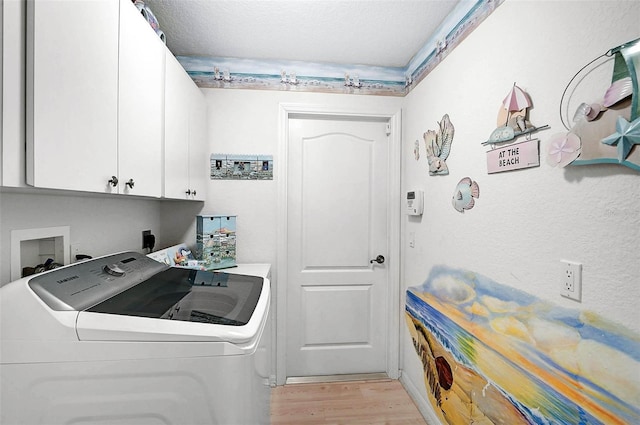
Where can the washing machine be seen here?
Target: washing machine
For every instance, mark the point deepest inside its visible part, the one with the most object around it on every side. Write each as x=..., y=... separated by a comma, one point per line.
x=123, y=339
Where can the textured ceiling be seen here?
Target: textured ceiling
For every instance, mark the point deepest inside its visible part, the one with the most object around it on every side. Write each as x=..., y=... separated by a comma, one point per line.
x=384, y=33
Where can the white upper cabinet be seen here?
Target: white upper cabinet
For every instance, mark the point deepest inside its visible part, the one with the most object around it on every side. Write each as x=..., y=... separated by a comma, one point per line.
x=96, y=98
x=185, y=162
x=140, y=112
x=176, y=131
x=72, y=94
x=199, y=163
x=12, y=169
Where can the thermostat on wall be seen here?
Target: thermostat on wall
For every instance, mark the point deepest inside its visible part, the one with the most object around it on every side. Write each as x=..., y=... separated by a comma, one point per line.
x=415, y=202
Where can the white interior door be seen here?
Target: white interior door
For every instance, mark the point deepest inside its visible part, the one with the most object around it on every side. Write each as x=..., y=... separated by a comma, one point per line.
x=337, y=208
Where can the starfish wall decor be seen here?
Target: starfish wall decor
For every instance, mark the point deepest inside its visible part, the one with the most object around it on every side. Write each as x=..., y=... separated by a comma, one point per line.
x=607, y=131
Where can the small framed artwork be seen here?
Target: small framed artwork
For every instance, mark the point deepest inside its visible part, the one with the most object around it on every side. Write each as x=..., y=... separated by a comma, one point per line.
x=241, y=167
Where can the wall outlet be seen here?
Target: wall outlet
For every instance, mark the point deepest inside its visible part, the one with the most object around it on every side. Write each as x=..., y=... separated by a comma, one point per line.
x=571, y=280
x=75, y=250
x=145, y=238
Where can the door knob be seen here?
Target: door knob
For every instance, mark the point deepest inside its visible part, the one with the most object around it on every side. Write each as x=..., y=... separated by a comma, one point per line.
x=379, y=259
x=113, y=181
x=130, y=183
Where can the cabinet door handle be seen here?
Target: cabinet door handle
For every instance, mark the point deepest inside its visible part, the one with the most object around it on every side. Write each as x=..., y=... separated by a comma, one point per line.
x=114, y=181
x=130, y=183
x=190, y=192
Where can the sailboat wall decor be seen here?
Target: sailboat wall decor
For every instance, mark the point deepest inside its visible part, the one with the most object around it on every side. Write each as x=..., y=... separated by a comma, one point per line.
x=608, y=129
x=513, y=122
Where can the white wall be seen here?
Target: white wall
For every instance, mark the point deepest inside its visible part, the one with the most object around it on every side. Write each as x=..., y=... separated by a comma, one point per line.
x=99, y=224
x=240, y=122
x=246, y=122
x=525, y=221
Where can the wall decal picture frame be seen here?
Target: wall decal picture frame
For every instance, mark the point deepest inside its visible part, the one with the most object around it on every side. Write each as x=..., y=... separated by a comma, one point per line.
x=241, y=167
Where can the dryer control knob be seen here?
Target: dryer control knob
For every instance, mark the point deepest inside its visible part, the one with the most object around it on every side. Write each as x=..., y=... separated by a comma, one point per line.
x=113, y=270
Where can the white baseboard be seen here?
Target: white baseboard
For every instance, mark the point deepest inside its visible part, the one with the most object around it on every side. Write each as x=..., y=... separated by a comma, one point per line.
x=420, y=400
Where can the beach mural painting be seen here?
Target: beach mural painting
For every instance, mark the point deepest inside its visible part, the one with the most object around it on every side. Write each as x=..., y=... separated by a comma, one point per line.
x=494, y=354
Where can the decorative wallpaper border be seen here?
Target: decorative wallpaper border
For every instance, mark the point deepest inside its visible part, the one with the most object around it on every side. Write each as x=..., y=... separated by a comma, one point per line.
x=216, y=72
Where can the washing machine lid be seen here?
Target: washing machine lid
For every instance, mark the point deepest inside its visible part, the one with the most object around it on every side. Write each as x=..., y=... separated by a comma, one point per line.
x=131, y=284
x=189, y=295
x=197, y=324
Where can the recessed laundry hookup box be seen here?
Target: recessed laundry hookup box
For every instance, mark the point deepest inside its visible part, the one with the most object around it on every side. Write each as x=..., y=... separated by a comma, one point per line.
x=216, y=241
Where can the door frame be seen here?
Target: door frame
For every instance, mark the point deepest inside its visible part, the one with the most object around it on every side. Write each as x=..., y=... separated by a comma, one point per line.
x=394, y=117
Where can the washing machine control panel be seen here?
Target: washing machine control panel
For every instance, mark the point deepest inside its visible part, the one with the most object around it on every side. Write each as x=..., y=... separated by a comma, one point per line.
x=83, y=285
x=114, y=270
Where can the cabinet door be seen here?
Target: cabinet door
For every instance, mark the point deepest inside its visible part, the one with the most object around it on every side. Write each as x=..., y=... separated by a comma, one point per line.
x=72, y=94
x=140, y=113
x=12, y=139
x=178, y=85
x=199, y=163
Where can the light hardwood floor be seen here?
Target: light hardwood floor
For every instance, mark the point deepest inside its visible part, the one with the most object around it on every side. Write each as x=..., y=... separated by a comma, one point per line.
x=344, y=403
